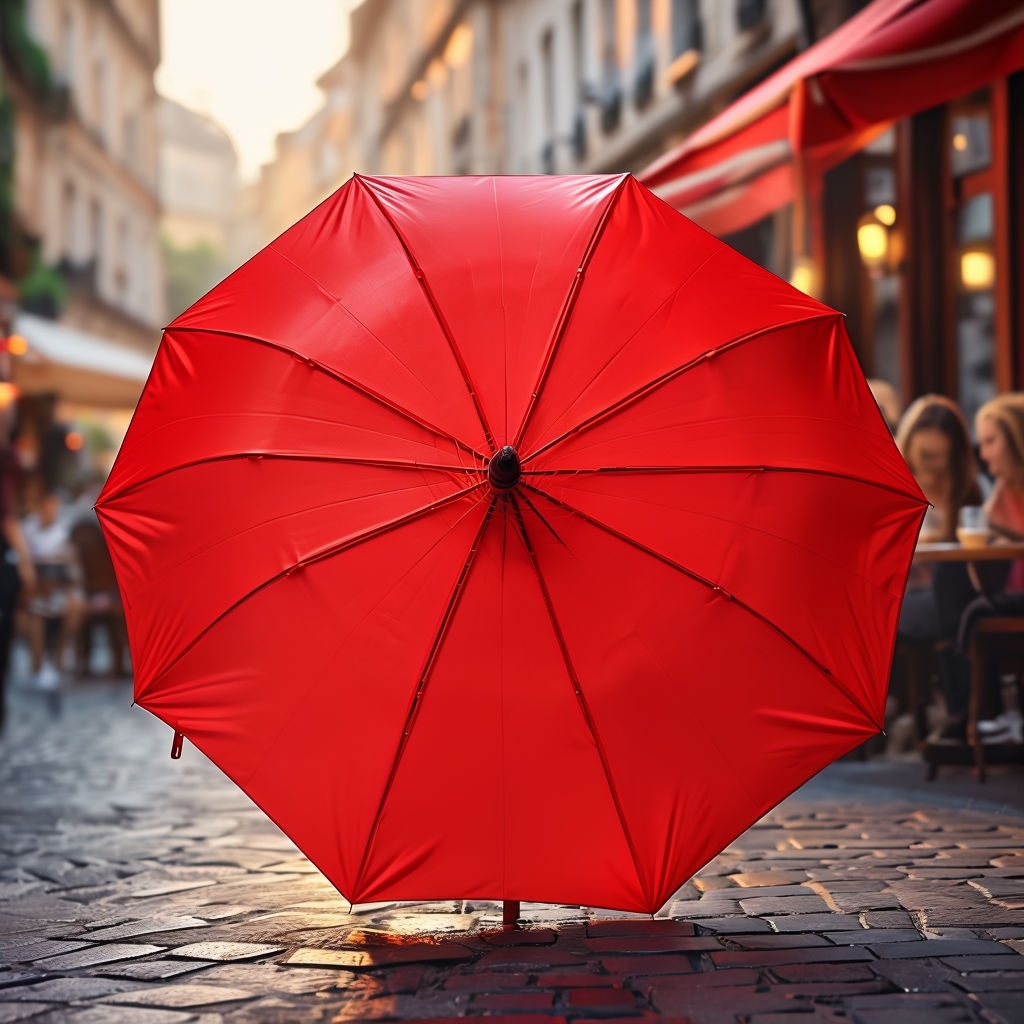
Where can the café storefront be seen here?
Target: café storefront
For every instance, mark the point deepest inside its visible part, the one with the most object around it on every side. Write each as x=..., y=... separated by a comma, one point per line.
x=883, y=170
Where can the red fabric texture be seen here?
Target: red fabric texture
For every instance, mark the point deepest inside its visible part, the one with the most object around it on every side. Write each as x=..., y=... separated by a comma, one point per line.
x=576, y=689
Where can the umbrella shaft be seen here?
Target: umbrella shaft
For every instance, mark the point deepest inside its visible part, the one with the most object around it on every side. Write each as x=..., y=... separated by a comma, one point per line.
x=509, y=914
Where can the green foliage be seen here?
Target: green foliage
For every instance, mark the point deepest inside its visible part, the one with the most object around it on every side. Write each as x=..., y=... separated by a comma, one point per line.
x=42, y=290
x=26, y=56
x=190, y=273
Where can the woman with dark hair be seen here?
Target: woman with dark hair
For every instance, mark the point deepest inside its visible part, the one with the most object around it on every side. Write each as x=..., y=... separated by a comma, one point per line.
x=933, y=437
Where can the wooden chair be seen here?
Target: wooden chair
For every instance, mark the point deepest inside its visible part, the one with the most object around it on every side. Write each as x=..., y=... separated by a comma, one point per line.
x=996, y=643
x=102, y=598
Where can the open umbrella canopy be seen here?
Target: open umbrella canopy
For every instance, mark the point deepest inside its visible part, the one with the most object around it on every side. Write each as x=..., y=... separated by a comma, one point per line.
x=510, y=538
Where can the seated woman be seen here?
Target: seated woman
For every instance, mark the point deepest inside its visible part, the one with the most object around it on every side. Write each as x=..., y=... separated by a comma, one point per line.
x=996, y=588
x=933, y=437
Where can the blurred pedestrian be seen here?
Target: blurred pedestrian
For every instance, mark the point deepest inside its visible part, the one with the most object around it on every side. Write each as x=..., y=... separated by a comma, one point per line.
x=55, y=608
x=16, y=570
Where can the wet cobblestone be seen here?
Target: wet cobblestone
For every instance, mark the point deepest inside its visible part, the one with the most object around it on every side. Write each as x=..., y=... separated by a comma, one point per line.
x=136, y=890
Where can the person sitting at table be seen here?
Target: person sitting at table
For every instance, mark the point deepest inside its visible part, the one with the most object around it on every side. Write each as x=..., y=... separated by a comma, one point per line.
x=995, y=588
x=932, y=436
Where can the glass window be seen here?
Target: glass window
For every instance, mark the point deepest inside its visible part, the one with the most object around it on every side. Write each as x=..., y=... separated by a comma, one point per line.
x=971, y=135
x=686, y=27
x=976, y=303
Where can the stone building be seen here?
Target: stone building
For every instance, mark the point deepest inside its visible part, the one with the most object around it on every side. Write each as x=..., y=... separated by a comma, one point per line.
x=86, y=210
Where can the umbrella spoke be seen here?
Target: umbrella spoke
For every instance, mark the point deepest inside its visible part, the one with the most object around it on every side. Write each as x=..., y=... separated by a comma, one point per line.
x=286, y=457
x=342, y=379
x=318, y=556
x=442, y=323
x=417, y=699
x=699, y=470
x=717, y=588
x=574, y=679
x=567, y=307
x=670, y=375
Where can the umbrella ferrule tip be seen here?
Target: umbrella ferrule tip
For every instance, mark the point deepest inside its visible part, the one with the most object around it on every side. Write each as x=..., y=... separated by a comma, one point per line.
x=504, y=469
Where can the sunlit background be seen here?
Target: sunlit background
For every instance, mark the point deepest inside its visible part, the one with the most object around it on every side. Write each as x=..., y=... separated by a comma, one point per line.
x=150, y=146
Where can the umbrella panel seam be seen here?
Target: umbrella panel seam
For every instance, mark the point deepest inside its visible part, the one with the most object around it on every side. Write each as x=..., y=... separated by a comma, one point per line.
x=580, y=696
x=420, y=276
x=717, y=588
x=565, y=313
x=330, y=552
x=418, y=696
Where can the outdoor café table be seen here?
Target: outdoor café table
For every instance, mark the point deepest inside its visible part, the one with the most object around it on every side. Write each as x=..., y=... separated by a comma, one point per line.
x=951, y=551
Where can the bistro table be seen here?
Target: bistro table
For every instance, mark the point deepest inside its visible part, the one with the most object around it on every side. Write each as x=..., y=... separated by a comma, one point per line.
x=951, y=551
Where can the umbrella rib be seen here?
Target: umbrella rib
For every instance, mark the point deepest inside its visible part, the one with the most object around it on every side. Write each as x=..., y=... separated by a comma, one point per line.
x=317, y=556
x=580, y=696
x=562, y=323
x=342, y=379
x=417, y=699
x=670, y=375
x=283, y=457
x=438, y=315
x=698, y=470
x=717, y=588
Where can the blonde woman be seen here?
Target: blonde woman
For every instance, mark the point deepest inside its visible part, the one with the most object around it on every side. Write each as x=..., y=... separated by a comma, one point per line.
x=999, y=426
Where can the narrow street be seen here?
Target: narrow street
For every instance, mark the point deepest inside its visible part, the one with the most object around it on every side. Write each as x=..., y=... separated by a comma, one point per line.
x=139, y=890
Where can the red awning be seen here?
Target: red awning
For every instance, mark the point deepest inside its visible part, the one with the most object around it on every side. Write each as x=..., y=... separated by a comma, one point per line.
x=892, y=59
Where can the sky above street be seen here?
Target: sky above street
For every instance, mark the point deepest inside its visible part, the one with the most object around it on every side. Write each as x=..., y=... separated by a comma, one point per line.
x=250, y=64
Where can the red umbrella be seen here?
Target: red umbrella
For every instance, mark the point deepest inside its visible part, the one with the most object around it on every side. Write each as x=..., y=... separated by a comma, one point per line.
x=510, y=538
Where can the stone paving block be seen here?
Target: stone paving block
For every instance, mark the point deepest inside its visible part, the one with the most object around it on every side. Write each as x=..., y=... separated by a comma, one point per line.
x=639, y=927
x=183, y=996
x=382, y=956
x=643, y=966
x=491, y=981
x=993, y=981
x=983, y=963
x=522, y=937
x=938, y=948
x=36, y=949
x=577, y=979
x=152, y=970
x=129, y=1015
x=792, y=940
x=9, y=978
x=10, y=1012
x=888, y=919
x=66, y=990
x=132, y=929
x=816, y=922
x=588, y=999
x=224, y=951
x=94, y=956
x=916, y=975
x=799, y=973
x=770, y=957
x=870, y=936
x=527, y=957
x=513, y=1002
x=652, y=944
x=741, y=976
x=753, y=879
x=735, y=925
x=758, y=906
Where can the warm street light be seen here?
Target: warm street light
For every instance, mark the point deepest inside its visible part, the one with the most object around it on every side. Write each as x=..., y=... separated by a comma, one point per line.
x=872, y=242
x=977, y=270
x=15, y=344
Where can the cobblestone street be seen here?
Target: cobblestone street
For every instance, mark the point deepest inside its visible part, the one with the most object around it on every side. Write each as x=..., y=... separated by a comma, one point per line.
x=139, y=890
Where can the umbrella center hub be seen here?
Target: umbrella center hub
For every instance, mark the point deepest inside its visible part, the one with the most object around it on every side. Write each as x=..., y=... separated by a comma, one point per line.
x=504, y=469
